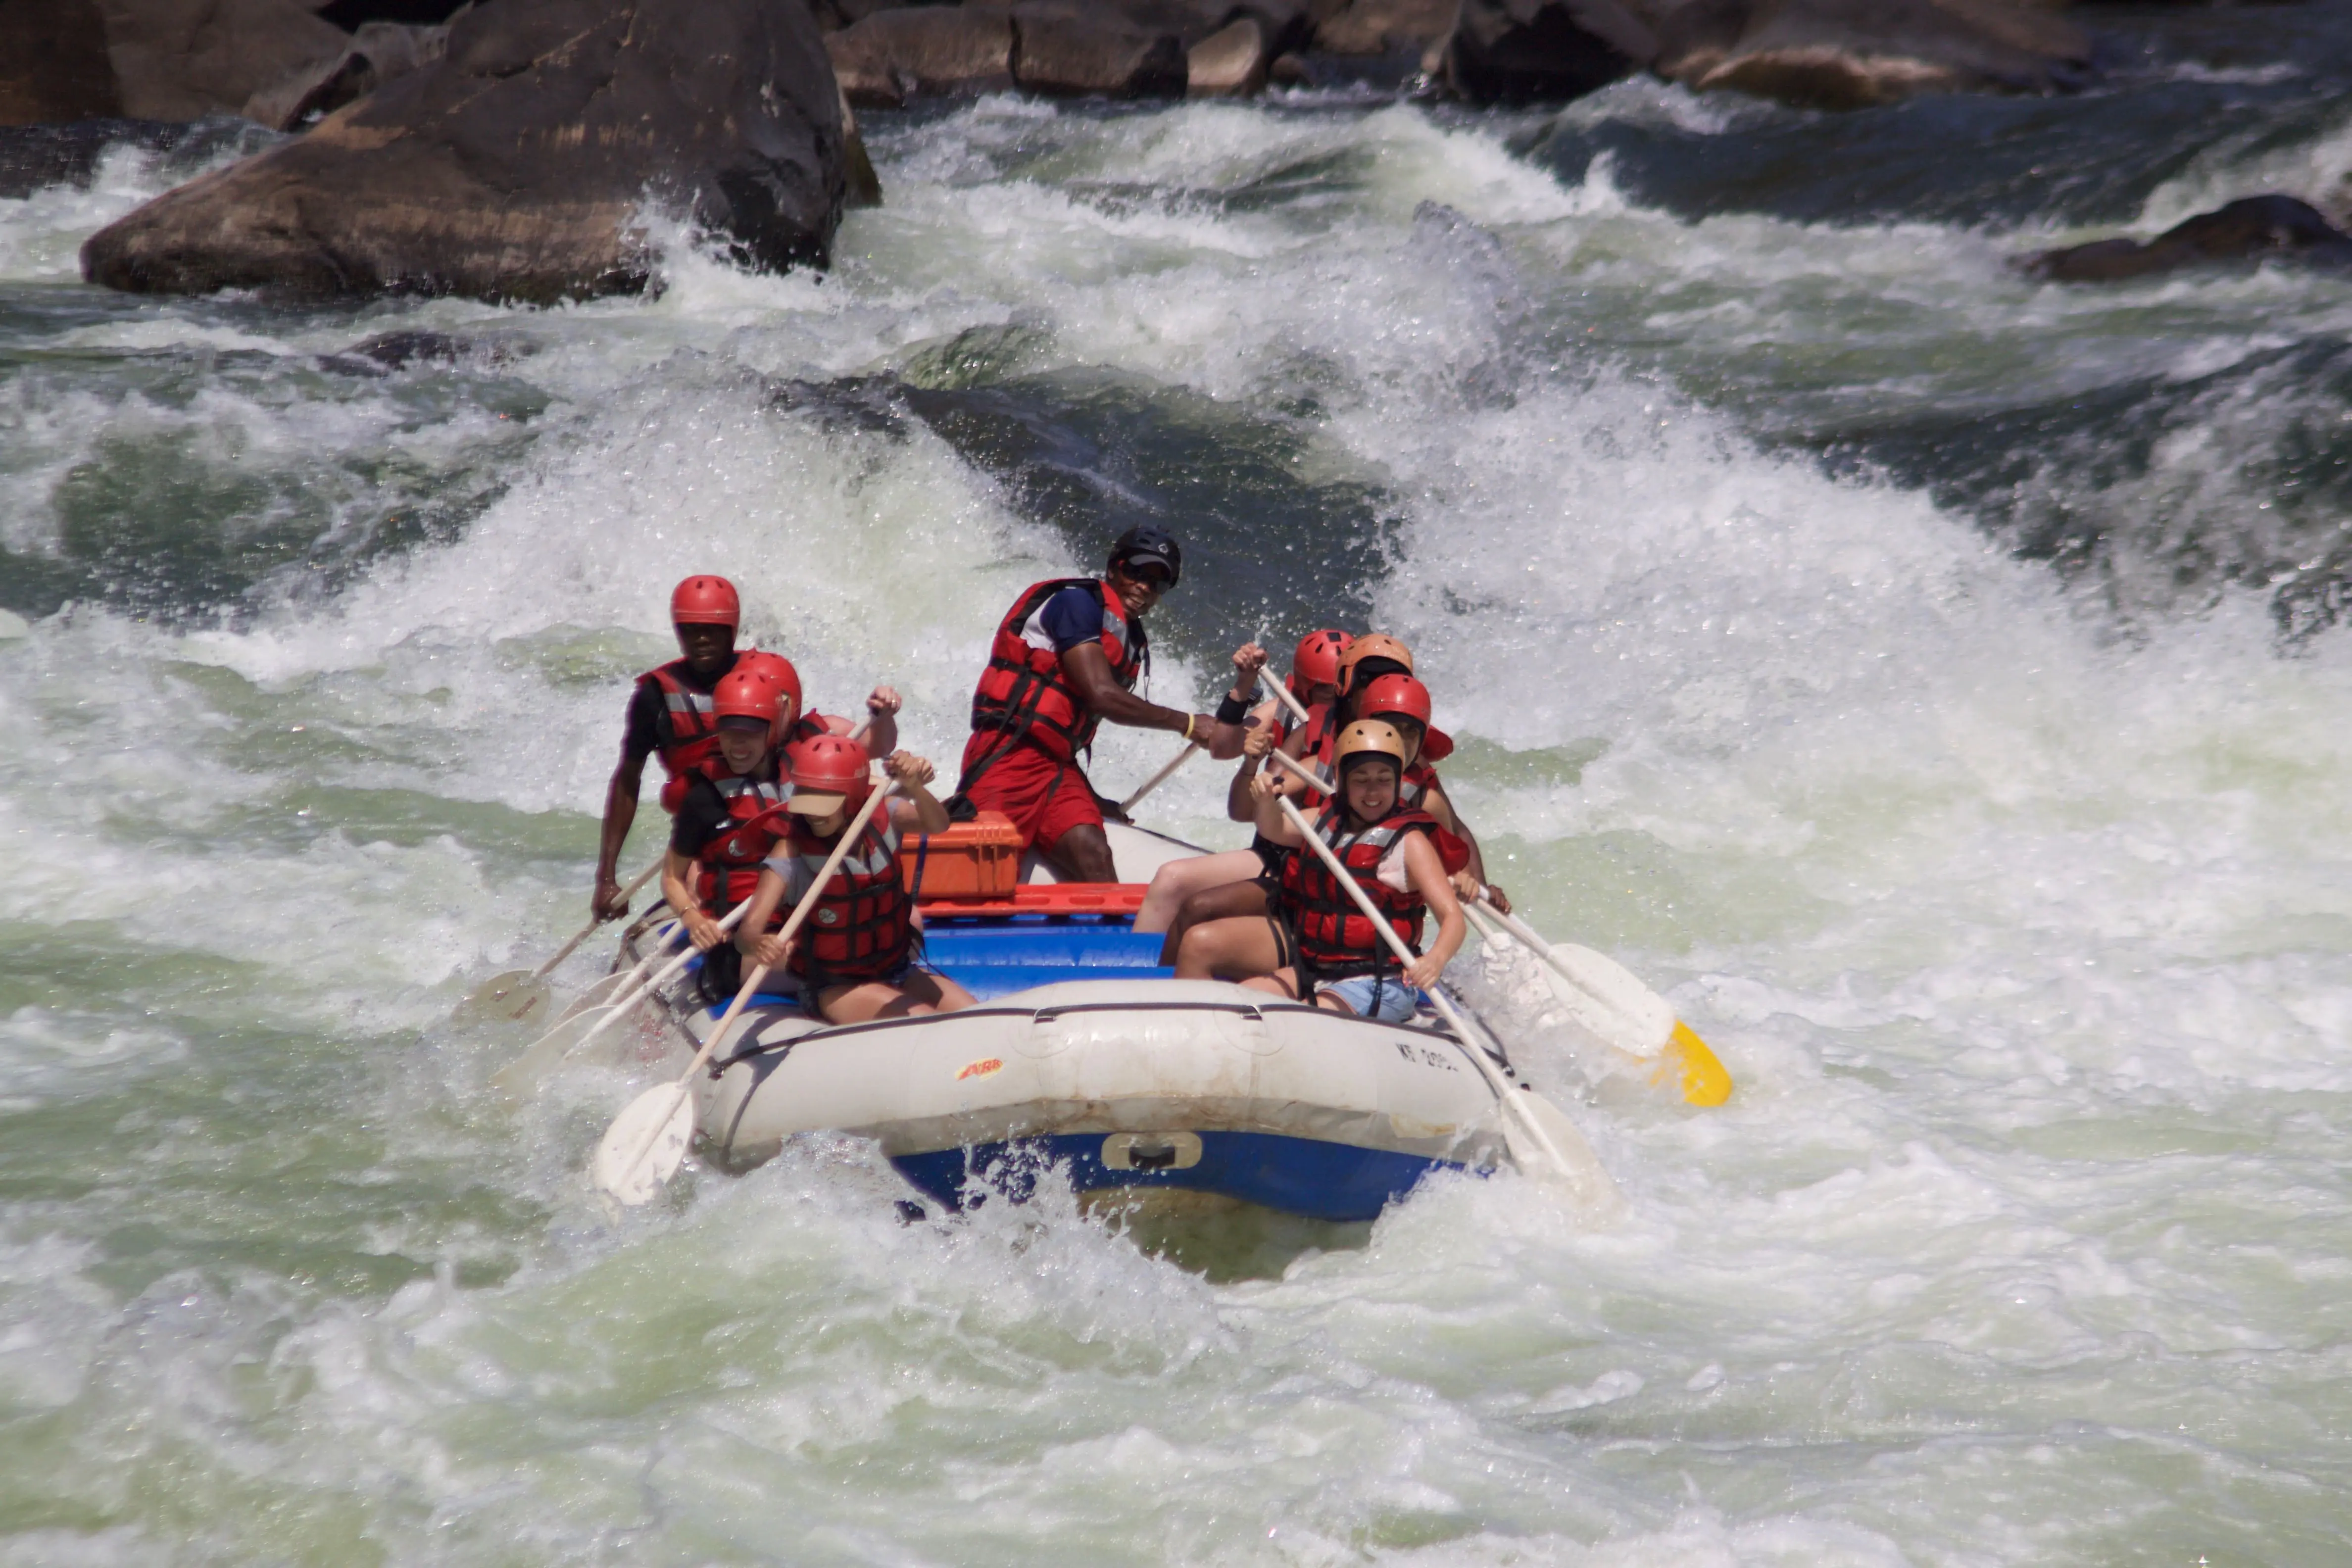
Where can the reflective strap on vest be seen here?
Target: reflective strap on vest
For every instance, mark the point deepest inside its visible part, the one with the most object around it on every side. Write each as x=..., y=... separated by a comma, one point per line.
x=859, y=929
x=1334, y=938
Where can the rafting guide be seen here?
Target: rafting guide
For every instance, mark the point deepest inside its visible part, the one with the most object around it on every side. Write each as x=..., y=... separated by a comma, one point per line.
x=1065, y=661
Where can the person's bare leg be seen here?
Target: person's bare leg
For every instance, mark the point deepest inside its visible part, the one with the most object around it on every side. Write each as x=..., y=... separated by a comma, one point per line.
x=1235, y=948
x=940, y=993
x=1179, y=879
x=1282, y=982
x=1221, y=902
x=1083, y=855
x=864, y=1002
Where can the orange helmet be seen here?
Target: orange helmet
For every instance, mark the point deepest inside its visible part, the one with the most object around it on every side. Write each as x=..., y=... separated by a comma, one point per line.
x=704, y=601
x=1371, y=645
x=1316, y=662
x=828, y=773
x=1365, y=738
x=743, y=694
x=777, y=672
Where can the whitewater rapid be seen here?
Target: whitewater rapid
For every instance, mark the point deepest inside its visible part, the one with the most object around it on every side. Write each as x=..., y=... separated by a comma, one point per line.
x=2014, y=899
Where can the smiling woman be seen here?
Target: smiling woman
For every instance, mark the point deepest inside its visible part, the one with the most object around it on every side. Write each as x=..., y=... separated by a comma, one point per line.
x=1687, y=446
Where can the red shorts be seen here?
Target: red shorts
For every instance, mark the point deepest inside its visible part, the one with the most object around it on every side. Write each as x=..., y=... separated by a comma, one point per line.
x=1044, y=798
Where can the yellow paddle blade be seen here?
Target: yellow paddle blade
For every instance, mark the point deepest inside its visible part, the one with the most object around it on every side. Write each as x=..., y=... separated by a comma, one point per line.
x=1703, y=1080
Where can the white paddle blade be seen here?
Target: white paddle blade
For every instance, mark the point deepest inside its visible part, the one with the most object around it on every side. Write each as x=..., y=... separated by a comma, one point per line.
x=521, y=1076
x=604, y=991
x=646, y=1145
x=515, y=998
x=1550, y=1148
x=1627, y=1013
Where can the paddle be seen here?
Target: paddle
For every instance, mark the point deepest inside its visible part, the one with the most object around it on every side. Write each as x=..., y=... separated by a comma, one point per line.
x=517, y=994
x=1608, y=1001
x=647, y=1143
x=1161, y=778
x=1543, y=1143
x=541, y=1055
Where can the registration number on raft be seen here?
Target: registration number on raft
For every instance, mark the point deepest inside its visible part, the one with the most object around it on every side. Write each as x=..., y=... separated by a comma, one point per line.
x=1427, y=1056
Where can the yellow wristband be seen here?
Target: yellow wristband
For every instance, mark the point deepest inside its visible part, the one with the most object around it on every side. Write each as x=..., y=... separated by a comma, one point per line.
x=1190, y=720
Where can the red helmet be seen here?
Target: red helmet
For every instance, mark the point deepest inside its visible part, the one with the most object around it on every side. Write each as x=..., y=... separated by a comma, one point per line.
x=705, y=601
x=1394, y=694
x=743, y=694
x=1316, y=662
x=777, y=672
x=1403, y=697
x=828, y=773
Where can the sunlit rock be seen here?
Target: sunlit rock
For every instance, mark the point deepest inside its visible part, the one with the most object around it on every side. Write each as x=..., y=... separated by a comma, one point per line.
x=519, y=167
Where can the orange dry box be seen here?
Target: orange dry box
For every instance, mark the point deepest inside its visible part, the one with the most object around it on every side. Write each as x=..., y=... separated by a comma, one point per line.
x=975, y=859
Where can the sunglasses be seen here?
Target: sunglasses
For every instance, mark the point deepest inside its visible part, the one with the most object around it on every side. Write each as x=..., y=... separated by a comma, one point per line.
x=1151, y=574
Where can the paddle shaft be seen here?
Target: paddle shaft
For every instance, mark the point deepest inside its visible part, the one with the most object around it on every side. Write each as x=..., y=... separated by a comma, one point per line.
x=1505, y=1089
x=1162, y=776
x=628, y=1002
x=1543, y=949
x=850, y=837
x=631, y=891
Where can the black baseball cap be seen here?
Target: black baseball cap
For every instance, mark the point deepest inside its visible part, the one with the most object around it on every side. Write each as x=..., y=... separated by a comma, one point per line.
x=1139, y=546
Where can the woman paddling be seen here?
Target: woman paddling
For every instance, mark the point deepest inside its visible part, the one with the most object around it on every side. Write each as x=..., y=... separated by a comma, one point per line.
x=1314, y=680
x=1398, y=854
x=855, y=957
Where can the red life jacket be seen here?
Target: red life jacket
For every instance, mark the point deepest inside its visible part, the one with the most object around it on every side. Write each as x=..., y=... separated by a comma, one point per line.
x=673, y=793
x=860, y=928
x=1023, y=691
x=1335, y=939
x=1414, y=787
x=727, y=869
x=685, y=735
x=1317, y=726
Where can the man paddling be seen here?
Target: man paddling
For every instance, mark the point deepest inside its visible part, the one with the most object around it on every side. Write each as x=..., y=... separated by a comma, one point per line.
x=669, y=713
x=1066, y=659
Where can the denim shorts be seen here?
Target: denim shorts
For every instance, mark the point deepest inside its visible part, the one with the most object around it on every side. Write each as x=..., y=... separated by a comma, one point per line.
x=1395, y=1003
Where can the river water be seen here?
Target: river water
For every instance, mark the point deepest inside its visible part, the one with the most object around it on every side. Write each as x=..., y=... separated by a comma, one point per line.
x=1928, y=677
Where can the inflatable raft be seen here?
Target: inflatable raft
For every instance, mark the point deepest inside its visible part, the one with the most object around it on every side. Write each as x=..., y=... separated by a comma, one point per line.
x=1086, y=1059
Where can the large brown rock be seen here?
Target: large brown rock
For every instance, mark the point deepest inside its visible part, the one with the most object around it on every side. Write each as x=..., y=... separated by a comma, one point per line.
x=182, y=59
x=380, y=52
x=53, y=63
x=516, y=168
x=1231, y=62
x=1057, y=56
x=1520, y=51
x=1384, y=26
x=923, y=51
x=2250, y=229
x=1851, y=54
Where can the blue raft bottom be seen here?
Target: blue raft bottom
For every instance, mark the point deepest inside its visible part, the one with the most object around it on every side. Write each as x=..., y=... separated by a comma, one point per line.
x=1305, y=1176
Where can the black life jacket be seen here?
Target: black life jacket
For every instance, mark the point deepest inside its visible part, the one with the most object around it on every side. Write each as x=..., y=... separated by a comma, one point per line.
x=1023, y=692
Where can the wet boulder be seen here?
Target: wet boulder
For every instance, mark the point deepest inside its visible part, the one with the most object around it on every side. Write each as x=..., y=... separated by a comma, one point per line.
x=1059, y=56
x=518, y=166
x=922, y=51
x=1385, y=27
x=1522, y=51
x=1231, y=62
x=182, y=59
x=1851, y=54
x=53, y=63
x=379, y=53
x=2252, y=229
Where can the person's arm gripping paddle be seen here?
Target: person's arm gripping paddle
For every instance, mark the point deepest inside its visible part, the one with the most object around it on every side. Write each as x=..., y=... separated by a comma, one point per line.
x=1541, y=1139
x=647, y=1143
